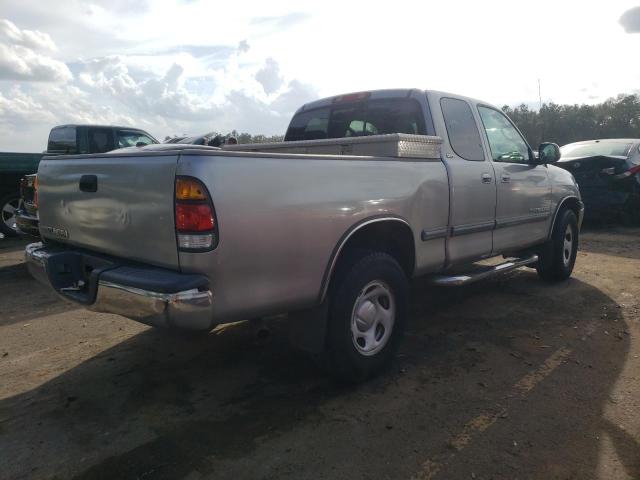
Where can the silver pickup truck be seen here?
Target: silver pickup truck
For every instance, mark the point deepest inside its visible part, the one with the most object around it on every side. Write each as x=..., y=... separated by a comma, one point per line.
x=367, y=191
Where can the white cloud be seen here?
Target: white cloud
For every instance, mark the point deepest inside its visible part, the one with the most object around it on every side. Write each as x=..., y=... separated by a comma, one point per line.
x=630, y=20
x=295, y=95
x=243, y=46
x=19, y=108
x=21, y=63
x=109, y=74
x=21, y=57
x=27, y=38
x=167, y=103
x=269, y=76
x=50, y=105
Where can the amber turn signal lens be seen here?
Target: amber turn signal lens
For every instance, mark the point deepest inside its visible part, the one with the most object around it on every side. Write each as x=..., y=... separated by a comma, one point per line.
x=187, y=189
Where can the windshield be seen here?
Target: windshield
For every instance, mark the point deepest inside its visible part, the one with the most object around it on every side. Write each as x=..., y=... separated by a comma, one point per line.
x=131, y=138
x=197, y=140
x=599, y=147
x=187, y=140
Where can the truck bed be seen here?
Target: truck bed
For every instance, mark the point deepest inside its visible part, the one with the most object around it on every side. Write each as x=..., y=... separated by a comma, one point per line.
x=19, y=163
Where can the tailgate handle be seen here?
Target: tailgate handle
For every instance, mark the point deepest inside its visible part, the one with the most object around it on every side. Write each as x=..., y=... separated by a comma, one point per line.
x=89, y=183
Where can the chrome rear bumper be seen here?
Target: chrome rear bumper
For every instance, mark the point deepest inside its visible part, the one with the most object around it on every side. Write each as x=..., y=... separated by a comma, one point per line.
x=26, y=223
x=190, y=309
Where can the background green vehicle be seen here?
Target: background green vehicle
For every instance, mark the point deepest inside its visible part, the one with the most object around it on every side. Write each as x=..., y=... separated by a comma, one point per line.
x=13, y=166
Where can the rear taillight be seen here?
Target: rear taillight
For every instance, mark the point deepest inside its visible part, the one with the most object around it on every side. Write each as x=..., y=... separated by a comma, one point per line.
x=195, y=218
x=628, y=173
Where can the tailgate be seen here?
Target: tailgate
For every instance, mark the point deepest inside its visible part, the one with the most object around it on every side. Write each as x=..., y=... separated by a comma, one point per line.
x=117, y=204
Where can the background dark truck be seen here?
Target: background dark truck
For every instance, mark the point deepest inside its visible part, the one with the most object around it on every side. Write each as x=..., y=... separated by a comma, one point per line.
x=13, y=166
x=67, y=140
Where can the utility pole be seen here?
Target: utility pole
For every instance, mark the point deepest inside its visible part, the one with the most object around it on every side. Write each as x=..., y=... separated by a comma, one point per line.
x=539, y=111
x=539, y=96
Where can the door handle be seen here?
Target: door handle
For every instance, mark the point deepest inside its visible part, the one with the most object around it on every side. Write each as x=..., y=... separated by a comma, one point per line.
x=89, y=183
x=506, y=178
x=486, y=178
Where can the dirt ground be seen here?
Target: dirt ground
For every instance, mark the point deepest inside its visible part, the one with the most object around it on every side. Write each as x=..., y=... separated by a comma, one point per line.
x=507, y=379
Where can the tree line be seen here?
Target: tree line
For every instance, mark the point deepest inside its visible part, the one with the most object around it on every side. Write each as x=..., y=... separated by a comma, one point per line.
x=243, y=137
x=617, y=117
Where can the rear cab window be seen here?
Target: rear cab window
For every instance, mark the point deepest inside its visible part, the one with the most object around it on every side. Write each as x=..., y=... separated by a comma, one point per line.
x=358, y=119
x=462, y=129
x=100, y=140
x=309, y=125
x=63, y=140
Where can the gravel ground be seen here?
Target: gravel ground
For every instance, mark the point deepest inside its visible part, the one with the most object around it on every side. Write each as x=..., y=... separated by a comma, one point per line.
x=507, y=379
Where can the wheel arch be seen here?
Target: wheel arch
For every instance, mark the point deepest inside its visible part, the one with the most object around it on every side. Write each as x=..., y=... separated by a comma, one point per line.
x=389, y=234
x=5, y=200
x=573, y=203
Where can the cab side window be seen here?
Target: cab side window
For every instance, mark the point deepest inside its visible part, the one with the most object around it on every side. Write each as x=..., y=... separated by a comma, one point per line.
x=506, y=143
x=462, y=130
x=100, y=140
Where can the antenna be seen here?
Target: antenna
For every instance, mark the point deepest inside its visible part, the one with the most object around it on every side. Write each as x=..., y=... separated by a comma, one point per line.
x=539, y=96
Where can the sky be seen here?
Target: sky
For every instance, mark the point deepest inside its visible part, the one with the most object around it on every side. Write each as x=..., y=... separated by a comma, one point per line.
x=189, y=67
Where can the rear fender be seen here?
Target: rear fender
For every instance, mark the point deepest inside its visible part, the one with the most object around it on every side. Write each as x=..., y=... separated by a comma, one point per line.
x=344, y=242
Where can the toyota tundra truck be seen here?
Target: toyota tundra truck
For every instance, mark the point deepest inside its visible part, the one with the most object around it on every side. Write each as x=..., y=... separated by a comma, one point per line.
x=367, y=191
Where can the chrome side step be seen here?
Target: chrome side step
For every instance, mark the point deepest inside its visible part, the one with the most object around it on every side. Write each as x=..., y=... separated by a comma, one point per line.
x=458, y=279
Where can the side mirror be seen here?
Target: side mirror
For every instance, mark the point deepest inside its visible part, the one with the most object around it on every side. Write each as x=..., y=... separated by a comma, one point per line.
x=548, y=153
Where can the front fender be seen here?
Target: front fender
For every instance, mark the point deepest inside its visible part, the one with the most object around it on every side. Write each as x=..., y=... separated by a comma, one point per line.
x=565, y=193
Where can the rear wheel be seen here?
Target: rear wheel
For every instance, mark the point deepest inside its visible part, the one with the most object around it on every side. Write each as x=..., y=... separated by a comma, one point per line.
x=558, y=257
x=8, y=206
x=367, y=315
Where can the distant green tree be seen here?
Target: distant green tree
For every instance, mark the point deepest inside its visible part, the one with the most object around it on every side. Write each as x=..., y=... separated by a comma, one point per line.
x=615, y=118
x=248, y=138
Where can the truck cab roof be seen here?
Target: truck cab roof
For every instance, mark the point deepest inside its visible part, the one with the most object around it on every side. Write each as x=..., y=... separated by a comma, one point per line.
x=378, y=94
x=96, y=125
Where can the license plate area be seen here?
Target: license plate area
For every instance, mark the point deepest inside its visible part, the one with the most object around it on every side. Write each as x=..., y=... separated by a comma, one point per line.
x=75, y=275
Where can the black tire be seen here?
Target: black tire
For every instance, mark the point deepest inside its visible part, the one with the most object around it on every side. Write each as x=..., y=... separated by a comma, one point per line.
x=557, y=258
x=359, y=280
x=8, y=202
